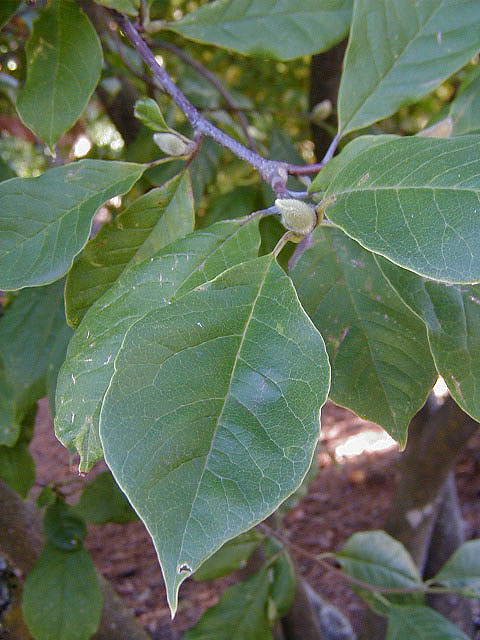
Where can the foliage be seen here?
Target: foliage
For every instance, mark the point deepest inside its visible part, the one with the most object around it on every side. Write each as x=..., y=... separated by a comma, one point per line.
x=193, y=355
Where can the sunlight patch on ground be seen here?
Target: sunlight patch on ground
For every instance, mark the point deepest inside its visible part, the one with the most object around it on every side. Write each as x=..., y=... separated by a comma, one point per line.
x=365, y=442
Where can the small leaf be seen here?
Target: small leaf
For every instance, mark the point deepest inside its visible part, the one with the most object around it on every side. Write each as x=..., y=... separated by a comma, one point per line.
x=46, y=497
x=151, y=222
x=103, y=501
x=420, y=623
x=416, y=201
x=130, y=7
x=62, y=527
x=451, y=314
x=148, y=111
x=231, y=556
x=45, y=221
x=7, y=10
x=170, y=417
x=64, y=58
x=17, y=468
x=179, y=268
x=379, y=560
x=462, y=569
x=61, y=597
x=381, y=363
x=241, y=610
x=268, y=28
x=401, y=50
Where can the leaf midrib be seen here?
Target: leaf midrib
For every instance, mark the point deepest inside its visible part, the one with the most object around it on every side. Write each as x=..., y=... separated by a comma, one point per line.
x=227, y=395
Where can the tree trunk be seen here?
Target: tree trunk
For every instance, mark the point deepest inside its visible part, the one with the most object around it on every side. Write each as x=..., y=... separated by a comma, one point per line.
x=435, y=438
x=21, y=541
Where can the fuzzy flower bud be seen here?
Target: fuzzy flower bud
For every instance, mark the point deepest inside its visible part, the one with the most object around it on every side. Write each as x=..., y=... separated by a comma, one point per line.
x=297, y=216
x=173, y=144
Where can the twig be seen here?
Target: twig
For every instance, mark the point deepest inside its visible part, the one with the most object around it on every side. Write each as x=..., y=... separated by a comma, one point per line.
x=272, y=171
x=329, y=567
x=212, y=78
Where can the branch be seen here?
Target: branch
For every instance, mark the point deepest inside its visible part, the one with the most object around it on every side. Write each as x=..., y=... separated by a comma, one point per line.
x=212, y=78
x=272, y=171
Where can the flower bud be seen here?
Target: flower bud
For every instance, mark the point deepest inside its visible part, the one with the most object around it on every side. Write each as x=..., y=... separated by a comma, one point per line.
x=321, y=111
x=173, y=144
x=297, y=216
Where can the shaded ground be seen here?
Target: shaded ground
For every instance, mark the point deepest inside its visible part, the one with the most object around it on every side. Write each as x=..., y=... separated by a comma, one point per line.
x=349, y=494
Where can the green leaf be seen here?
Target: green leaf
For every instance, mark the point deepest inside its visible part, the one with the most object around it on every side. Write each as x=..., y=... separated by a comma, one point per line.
x=61, y=597
x=130, y=7
x=379, y=560
x=415, y=201
x=349, y=152
x=420, y=623
x=7, y=10
x=169, y=417
x=45, y=221
x=241, y=613
x=452, y=317
x=462, y=569
x=103, y=501
x=465, y=109
x=381, y=363
x=271, y=28
x=151, y=222
x=17, y=468
x=63, y=528
x=148, y=111
x=64, y=59
x=399, y=51
x=179, y=268
x=231, y=556
x=33, y=336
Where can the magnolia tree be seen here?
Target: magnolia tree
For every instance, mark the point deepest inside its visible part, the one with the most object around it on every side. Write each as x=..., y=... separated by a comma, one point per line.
x=193, y=339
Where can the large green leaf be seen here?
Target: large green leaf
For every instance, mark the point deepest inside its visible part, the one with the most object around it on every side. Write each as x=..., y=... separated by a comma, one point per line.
x=7, y=10
x=219, y=393
x=462, y=569
x=420, y=623
x=64, y=59
x=452, y=316
x=103, y=501
x=86, y=374
x=465, y=109
x=45, y=221
x=400, y=50
x=61, y=597
x=32, y=332
x=154, y=220
x=380, y=560
x=273, y=28
x=232, y=555
x=381, y=363
x=416, y=201
x=241, y=613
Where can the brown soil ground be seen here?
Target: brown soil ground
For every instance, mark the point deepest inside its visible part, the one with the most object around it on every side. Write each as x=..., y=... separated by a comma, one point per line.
x=347, y=495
